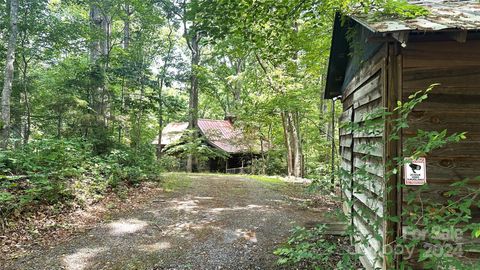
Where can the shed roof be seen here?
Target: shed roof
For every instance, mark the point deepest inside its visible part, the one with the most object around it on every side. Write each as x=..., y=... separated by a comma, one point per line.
x=219, y=133
x=443, y=16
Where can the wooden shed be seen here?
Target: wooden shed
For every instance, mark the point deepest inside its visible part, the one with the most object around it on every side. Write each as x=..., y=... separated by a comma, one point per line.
x=375, y=63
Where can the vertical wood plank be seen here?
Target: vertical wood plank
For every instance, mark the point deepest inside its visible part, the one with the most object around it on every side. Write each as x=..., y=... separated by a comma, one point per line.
x=399, y=176
x=391, y=150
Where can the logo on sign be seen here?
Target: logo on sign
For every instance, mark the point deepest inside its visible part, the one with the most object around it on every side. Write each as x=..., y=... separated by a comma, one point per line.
x=416, y=172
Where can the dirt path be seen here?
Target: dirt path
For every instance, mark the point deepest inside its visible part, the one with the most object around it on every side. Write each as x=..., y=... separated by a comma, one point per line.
x=204, y=222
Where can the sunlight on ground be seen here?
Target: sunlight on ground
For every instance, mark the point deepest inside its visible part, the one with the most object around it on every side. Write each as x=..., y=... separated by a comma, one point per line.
x=203, y=198
x=80, y=259
x=248, y=235
x=196, y=176
x=186, y=205
x=184, y=229
x=298, y=199
x=126, y=226
x=238, y=208
x=155, y=247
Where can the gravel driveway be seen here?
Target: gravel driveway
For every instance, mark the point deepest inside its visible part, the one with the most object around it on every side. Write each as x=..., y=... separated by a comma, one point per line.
x=199, y=222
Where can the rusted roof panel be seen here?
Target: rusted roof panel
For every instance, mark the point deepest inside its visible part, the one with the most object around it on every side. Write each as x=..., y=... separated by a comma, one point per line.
x=443, y=16
x=219, y=133
x=222, y=134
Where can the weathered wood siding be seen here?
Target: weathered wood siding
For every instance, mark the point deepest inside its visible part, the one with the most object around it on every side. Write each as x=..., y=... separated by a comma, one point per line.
x=362, y=154
x=346, y=150
x=454, y=105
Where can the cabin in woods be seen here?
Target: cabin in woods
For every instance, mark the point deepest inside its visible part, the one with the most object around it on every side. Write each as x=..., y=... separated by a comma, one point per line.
x=375, y=63
x=221, y=135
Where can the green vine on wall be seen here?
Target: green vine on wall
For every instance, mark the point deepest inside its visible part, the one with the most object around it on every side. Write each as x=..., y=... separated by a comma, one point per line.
x=436, y=234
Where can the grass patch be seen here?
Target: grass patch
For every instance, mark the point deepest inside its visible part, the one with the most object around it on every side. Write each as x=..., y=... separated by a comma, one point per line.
x=267, y=179
x=175, y=181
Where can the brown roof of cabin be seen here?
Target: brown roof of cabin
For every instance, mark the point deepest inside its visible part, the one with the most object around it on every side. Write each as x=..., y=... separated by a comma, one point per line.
x=219, y=133
x=222, y=134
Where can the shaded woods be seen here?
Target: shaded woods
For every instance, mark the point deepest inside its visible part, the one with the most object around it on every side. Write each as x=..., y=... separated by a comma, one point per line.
x=93, y=83
x=103, y=97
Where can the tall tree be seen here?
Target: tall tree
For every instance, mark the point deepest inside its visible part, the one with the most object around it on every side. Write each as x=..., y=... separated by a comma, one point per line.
x=187, y=11
x=99, y=53
x=8, y=77
x=161, y=82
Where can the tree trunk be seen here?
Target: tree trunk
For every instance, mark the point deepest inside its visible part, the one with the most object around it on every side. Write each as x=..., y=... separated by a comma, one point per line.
x=8, y=78
x=297, y=145
x=28, y=122
x=293, y=145
x=137, y=139
x=288, y=145
x=192, y=163
x=236, y=87
x=269, y=146
x=161, y=82
x=160, y=118
x=126, y=27
x=98, y=50
x=104, y=94
x=294, y=130
x=126, y=44
x=122, y=110
x=193, y=99
x=26, y=126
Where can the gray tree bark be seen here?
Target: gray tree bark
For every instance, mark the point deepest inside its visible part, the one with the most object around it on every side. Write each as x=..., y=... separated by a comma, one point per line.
x=192, y=162
x=28, y=122
x=126, y=27
x=161, y=82
x=192, y=37
x=293, y=145
x=8, y=78
x=125, y=45
x=297, y=145
x=99, y=50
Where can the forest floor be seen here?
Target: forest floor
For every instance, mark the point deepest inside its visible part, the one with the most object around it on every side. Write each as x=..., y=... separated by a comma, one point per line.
x=194, y=221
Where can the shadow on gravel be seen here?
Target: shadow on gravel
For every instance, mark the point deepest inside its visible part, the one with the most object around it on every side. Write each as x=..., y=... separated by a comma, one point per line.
x=211, y=223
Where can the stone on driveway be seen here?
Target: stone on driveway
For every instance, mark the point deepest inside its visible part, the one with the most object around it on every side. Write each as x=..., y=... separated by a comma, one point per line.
x=201, y=222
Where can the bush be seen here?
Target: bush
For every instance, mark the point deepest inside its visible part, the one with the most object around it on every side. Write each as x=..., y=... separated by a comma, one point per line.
x=171, y=163
x=312, y=249
x=64, y=171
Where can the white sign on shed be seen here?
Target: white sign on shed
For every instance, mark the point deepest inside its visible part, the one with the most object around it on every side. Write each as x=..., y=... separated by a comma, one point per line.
x=416, y=172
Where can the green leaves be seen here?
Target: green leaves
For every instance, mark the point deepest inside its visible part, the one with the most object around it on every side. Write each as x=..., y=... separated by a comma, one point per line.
x=476, y=232
x=400, y=9
x=193, y=144
x=312, y=249
x=65, y=171
x=5, y=197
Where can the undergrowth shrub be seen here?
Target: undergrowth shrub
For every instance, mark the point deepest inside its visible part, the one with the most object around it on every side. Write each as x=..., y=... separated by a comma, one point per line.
x=55, y=171
x=313, y=249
